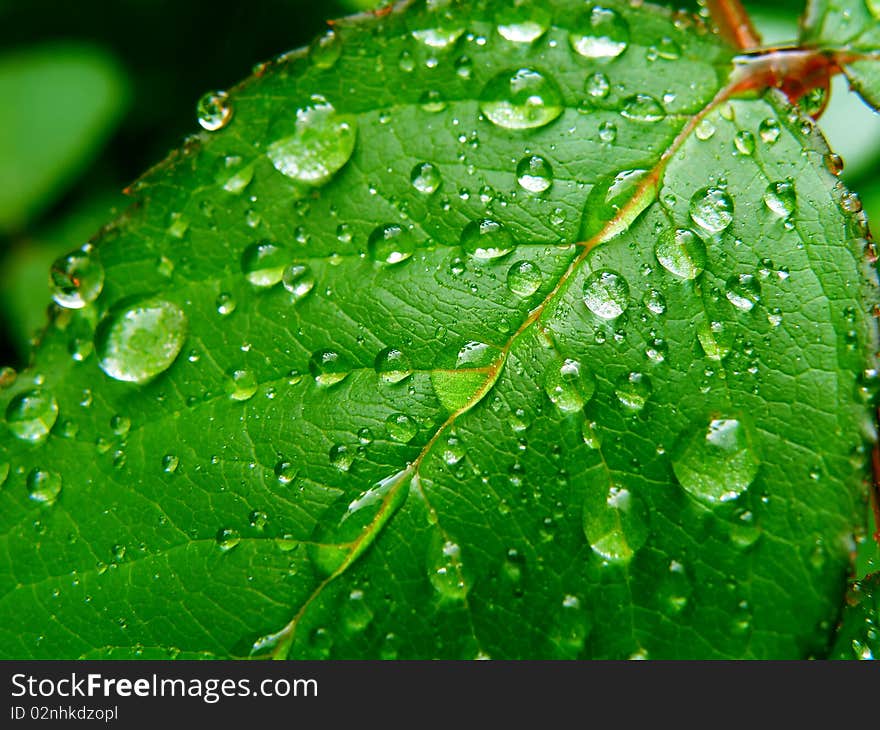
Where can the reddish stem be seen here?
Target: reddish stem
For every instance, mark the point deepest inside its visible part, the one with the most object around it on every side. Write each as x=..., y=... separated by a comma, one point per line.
x=734, y=24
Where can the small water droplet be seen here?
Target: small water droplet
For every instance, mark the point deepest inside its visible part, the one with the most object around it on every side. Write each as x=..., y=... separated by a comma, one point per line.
x=120, y=425
x=524, y=278
x=608, y=132
x=714, y=339
x=432, y=101
x=263, y=263
x=569, y=385
x=391, y=244
x=570, y=628
x=328, y=367
x=326, y=49
x=522, y=23
x=392, y=365
x=43, y=486
x=285, y=471
x=227, y=538
x=744, y=142
x=225, y=304
x=712, y=209
x=599, y=33
x=715, y=462
x=241, y=385
x=170, y=462
x=31, y=415
x=76, y=279
x=214, y=110
x=744, y=291
x=597, y=86
x=299, y=280
x=138, y=341
x=486, y=239
x=781, y=198
x=445, y=570
x=643, y=108
x=769, y=131
x=401, y=428
x=633, y=391
x=534, y=173
x=521, y=99
x=606, y=294
x=438, y=38
x=615, y=523
x=425, y=178
x=681, y=252
x=341, y=457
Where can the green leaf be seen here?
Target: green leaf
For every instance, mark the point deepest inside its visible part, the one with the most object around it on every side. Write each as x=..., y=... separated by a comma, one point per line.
x=859, y=636
x=60, y=104
x=356, y=385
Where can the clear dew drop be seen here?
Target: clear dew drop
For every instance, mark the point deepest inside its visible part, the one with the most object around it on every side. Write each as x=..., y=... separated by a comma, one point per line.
x=486, y=239
x=241, y=385
x=681, y=252
x=432, y=101
x=569, y=385
x=570, y=628
x=781, y=198
x=356, y=613
x=743, y=291
x=521, y=99
x=711, y=208
x=597, y=86
x=675, y=589
x=258, y=519
x=714, y=462
x=438, y=38
x=341, y=457
x=615, y=524
x=328, y=367
x=744, y=143
x=391, y=244
x=769, y=131
x=524, y=278
x=170, y=462
x=225, y=304
x=425, y=177
x=76, y=279
x=31, y=415
x=322, y=142
x=299, y=280
x=214, y=110
x=43, y=486
x=599, y=33
x=138, y=341
x=534, y=174
x=285, y=471
x=522, y=23
x=643, y=108
x=714, y=339
x=445, y=570
x=606, y=294
x=120, y=425
x=633, y=391
x=608, y=132
x=401, y=428
x=392, y=365
x=326, y=50
x=227, y=539
x=263, y=264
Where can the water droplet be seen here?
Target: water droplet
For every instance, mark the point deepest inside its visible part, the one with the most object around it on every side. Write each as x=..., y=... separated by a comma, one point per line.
x=258, y=519
x=120, y=425
x=524, y=278
x=43, y=486
x=392, y=365
x=643, y=108
x=225, y=304
x=605, y=201
x=615, y=523
x=31, y=415
x=439, y=38
x=534, y=174
x=325, y=50
x=599, y=33
x=341, y=457
x=401, y=427
x=285, y=472
x=769, y=131
x=299, y=280
x=606, y=294
x=391, y=244
x=744, y=291
x=170, y=462
x=328, y=367
x=608, y=132
x=597, y=86
x=322, y=142
x=681, y=252
x=781, y=198
x=675, y=589
x=241, y=385
x=445, y=570
x=356, y=614
x=227, y=538
x=633, y=391
x=712, y=209
x=569, y=385
x=486, y=239
x=76, y=279
x=138, y=341
x=214, y=110
x=744, y=142
x=714, y=339
x=425, y=178
x=263, y=263
x=715, y=462
x=432, y=101
x=522, y=23
x=522, y=99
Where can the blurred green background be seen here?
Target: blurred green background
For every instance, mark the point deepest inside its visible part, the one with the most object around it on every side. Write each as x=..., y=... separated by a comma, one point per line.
x=95, y=92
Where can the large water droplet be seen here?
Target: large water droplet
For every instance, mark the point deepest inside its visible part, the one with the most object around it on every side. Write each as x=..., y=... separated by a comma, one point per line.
x=298, y=279
x=605, y=201
x=391, y=243
x=241, y=385
x=392, y=365
x=521, y=99
x=76, y=279
x=599, y=33
x=522, y=23
x=326, y=49
x=781, y=198
x=606, y=294
x=322, y=142
x=569, y=385
x=425, y=178
x=227, y=538
x=31, y=415
x=534, y=174
x=214, y=110
x=643, y=108
x=744, y=142
x=263, y=263
x=524, y=278
x=681, y=252
x=439, y=38
x=633, y=391
x=401, y=428
x=615, y=523
x=769, y=131
x=43, y=486
x=715, y=462
x=486, y=239
x=137, y=341
x=744, y=291
x=328, y=367
x=712, y=209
